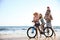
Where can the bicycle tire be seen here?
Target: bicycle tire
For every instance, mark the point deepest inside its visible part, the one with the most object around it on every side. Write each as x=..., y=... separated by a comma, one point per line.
x=51, y=30
x=35, y=31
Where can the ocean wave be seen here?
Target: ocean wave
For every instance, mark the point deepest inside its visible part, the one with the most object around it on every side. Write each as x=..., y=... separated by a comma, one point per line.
x=13, y=28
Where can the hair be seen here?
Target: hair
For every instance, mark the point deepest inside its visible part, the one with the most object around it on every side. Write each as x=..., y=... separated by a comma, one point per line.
x=40, y=16
x=48, y=11
x=48, y=7
x=35, y=13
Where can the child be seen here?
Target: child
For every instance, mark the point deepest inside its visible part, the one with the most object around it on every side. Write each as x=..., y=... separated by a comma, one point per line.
x=36, y=21
x=42, y=21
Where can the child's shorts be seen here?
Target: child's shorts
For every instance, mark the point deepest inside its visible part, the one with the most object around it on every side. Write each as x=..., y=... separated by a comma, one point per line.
x=37, y=24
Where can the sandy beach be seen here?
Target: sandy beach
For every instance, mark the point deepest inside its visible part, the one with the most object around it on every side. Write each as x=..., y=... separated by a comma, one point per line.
x=24, y=37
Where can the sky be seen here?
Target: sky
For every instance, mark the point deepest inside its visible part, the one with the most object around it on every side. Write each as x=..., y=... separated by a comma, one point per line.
x=20, y=12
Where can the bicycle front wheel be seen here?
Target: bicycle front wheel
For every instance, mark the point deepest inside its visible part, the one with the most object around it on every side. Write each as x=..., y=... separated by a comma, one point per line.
x=48, y=31
x=31, y=32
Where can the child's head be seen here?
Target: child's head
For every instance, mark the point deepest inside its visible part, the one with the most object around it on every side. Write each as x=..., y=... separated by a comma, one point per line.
x=35, y=14
x=48, y=8
x=40, y=16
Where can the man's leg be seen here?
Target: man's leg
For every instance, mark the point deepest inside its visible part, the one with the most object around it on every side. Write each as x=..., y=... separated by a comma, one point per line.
x=50, y=25
x=47, y=25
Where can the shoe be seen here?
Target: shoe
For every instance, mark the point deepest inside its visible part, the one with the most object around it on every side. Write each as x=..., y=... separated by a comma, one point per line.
x=32, y=32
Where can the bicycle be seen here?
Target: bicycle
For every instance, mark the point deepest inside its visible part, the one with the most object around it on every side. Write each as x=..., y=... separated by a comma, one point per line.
x=47, y=31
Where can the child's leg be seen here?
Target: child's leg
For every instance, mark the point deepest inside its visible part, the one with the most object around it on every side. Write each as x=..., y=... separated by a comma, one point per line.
x=32, y=30
x=42, y=27
x=39, y=31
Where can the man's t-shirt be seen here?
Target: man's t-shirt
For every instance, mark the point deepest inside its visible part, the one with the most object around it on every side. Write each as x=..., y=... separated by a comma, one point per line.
x=48, y=17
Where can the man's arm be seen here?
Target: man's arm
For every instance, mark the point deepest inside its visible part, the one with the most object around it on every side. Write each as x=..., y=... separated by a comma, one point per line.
x=51, y=17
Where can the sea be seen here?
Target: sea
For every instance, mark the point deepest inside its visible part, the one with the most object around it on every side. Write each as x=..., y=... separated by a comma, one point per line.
x=19, y=29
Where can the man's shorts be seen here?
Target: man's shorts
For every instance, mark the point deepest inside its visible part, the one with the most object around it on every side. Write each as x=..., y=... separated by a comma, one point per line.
x=48, y=24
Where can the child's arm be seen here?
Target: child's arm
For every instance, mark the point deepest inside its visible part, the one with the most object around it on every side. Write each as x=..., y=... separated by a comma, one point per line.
x=33, y=19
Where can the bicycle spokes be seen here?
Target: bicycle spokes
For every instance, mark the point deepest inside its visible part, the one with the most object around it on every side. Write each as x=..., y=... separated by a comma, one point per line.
x=48, y=32
x=32, y=32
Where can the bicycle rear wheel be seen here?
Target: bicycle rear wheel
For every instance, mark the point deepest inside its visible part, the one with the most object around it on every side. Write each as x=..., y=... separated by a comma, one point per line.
x=31, y=32
x=48, y=31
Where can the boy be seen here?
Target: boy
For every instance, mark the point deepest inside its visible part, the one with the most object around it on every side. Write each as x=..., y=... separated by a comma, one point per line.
x=36, y=21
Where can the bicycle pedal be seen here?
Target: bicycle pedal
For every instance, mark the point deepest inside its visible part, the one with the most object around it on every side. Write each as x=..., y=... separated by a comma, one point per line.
x=42, y=32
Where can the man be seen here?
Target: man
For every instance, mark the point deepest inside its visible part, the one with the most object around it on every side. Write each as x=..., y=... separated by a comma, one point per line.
x=48, y=17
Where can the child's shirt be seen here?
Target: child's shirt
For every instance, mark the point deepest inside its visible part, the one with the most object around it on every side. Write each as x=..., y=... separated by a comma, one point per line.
x=42, y=21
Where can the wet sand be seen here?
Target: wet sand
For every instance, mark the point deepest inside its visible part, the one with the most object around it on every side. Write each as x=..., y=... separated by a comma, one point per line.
x=26, y=38
x=19, y=37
